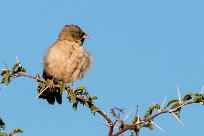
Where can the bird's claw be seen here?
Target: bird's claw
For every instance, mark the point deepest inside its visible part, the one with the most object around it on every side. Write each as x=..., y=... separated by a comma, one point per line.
x=51, y=85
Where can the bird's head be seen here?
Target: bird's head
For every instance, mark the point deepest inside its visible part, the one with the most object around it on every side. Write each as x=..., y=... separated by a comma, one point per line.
x=72, y=33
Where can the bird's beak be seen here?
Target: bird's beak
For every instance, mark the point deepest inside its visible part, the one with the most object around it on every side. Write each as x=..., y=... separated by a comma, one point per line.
x=85, y=36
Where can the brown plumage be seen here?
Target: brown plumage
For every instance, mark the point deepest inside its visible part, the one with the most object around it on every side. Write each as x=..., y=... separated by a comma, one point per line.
x=66, y=60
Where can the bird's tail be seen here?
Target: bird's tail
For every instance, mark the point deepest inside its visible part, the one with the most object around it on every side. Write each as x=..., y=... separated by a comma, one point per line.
x=51, y=93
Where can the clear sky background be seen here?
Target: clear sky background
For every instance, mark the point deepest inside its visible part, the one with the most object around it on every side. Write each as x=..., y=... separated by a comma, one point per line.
x=142, y=50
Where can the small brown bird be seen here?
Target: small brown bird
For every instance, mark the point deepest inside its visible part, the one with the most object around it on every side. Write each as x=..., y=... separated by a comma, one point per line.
x=66, y=60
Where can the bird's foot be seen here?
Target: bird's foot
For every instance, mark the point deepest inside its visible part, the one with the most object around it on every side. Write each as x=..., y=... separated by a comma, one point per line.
x=51, y=85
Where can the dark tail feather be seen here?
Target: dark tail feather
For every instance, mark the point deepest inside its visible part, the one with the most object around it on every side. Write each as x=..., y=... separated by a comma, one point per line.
x=45, y=76
x=51, y=95
x=58, y=96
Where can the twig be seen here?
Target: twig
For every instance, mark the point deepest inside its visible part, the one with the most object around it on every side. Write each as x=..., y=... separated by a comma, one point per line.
x=152, y=117
x=111, y=124
x=35, y=78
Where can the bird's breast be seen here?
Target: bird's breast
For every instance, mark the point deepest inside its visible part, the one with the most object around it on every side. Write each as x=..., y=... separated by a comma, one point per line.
x=67, y=63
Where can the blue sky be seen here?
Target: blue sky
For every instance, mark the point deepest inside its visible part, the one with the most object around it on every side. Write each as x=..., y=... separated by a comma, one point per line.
x=142, y=50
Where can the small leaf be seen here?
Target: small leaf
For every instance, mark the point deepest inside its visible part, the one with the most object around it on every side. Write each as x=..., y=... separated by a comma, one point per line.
x=2, y=124
x=62, y=84
x=68, y=88
x=187, y=97
x=94, y=109
x=175, y=106
x=17, y=64
x=132, y=134
x=149, y=126
x=73, y=98
x=197, y=99
x=171, y=102
x=80, y=89
x=202, y=102
x=135, y=119
x=5, y=71
x=20, y=69
x=74, y=106
x=151, y=109
x=15, y=131
x=6, y=80
x=93, y=98
x=40, y=86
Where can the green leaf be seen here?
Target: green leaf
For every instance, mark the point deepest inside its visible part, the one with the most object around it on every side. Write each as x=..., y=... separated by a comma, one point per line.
x=149, y=126
x=6, y=80
x=94, y=109
x=62, y=84
x=20, y=69
x=151, y=109
x=40, y=86
x=93, y=98
x=74, y=106
x=73, y=98
x=132, y=134
x=68, y=88
x=175, y=106
x=79, y=90
x=14, y=67
x=171, y=102
x=2, y=124
x=15, y=131
x=202, y=102
x=137, y=131
x=135, y=120
x=187, y=97
x=5, y=72
x=198, y=97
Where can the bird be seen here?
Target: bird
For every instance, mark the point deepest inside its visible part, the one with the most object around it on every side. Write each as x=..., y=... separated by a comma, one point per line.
x=66, y=60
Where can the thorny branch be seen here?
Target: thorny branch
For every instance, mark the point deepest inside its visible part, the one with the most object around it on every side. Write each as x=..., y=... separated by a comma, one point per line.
x=152, y=117
x=79, y=96
x=111, y=124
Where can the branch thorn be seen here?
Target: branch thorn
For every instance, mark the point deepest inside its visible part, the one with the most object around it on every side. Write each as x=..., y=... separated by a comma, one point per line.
x=162, y=104
x=178, y=119
x=42, y=91
x=202, y=90
x=126, y=117
x=179, y=95
x=157, y=126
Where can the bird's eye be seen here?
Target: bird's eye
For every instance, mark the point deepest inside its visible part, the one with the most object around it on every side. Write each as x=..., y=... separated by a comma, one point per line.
x=80, y=34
